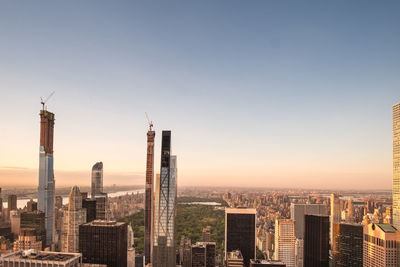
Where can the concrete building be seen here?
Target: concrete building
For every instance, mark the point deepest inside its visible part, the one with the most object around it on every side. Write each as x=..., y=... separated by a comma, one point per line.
x=33, y=258
x=206, y=234
x=27, y=240
x=240, y=232
x=396, y=166
x=90, y=205
x=46, y=173
x=74, y=216
x=31, y=205
x=381, y=246
x=335, y=215
x=101, y=206
x=198, y=255
x=97, y=179
x=234, y=259
x=285, y=241
x=104, y=242
x=164, y=227
x=148, y=209
x=316, y=241
x=11, y=204
x=15, y=220
x=35, y=219
x=347, y=247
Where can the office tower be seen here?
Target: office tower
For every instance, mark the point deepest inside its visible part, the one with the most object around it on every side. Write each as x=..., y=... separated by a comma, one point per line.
x=1, y=205
x=104, y=242
x=35, y=219
x=42, y=258
x=46, y=173
x=234, y=259
x=90, y=205
x=11, y=204
x=381, y=246
x=15, y=220
x=347, y=246
x=285, y=241
x=101, y=206
x=298, y=211
x=97, y=179
x=210, y=253
x=240, y=232
x=316, y=241
x=164, y=228
x=31, y=205
x=148, y=210
x=267, y=263
x=396, y=166
x=335, y=213
x=27, y=240
x=299, y=252
x=185, y=251
x=206, y=234
x=350, y=213
x=198, y=255
x=74, y=216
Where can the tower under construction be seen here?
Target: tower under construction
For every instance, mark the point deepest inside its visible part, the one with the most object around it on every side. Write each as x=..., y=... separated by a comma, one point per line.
x=46, y=172
x=148, y=213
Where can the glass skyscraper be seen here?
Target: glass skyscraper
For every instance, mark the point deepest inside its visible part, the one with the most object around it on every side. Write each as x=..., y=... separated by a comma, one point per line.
x=165, y=207
x=396, y=166
x=46, y=172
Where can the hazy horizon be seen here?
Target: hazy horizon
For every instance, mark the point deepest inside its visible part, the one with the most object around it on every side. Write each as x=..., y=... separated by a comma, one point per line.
x=257, y=94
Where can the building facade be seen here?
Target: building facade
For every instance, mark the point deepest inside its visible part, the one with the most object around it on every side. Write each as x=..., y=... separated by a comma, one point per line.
x=347, y=247
x=164, y=228
x=396, y=166
x=41, y=258
x=285, y=242
x=316, y=241
x=27, y=240
x=46, y=172
x=240, y=232
x=104, y=242
x=148, y=210
x=74, y=216
x=35, y=219
x=381, y=246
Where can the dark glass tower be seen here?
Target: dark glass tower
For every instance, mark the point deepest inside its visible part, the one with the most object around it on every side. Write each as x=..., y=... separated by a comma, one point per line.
x=316, y=241
x=240, y=233
x=165, y=211
x=347, y=245
x=104, y=242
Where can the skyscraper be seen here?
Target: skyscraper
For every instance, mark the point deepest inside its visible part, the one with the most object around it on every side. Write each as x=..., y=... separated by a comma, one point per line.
x=285, y=241
x=11, y=204
x=104, y=242
x=347, y=246
x=316, y=241
x=198, y=255
x=335, y=213
x=148, y=212
x=240, y=233
x=35, y=219
x=97, y=179
x=73, y=217
x=46, y=172
x=381, y=246
x=396, y=165
x=164, y=228
x=350, y=210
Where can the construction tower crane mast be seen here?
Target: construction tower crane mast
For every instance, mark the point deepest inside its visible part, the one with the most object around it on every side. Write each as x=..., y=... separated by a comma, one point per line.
x=47, y=99
x=150, y=122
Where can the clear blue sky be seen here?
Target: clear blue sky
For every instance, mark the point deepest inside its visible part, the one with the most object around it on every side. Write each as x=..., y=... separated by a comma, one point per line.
x=256, y=93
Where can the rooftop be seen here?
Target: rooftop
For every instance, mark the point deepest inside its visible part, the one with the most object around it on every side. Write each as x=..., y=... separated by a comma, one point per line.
x=387, y=228
x=41, y=255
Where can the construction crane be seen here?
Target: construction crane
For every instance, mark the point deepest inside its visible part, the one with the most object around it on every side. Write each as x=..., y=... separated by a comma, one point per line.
x=47, y=99
x=150, y=122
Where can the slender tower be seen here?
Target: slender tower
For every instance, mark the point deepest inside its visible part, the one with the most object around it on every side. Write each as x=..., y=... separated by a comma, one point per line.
x=396, y=165
x=46, y=173
x=164, y=227
x=148, y=214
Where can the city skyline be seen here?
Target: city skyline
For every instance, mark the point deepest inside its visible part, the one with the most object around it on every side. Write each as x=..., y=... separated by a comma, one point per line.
x=292, y=99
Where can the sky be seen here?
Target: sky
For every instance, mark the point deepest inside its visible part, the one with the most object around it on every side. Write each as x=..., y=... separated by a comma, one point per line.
x=291, y=94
